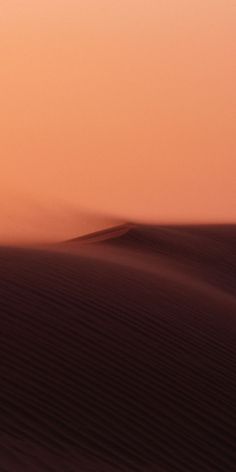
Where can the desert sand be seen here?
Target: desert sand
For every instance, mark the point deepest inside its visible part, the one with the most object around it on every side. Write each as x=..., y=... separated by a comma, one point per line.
x=118, y=352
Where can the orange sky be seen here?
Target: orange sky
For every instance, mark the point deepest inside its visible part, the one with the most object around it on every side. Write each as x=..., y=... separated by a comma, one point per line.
x=118, y=107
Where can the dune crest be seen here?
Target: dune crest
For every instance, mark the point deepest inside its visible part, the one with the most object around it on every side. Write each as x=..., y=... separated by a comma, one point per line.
x=102, y=235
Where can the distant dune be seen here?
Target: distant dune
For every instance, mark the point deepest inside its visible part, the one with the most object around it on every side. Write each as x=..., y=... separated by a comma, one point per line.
x=120, y=354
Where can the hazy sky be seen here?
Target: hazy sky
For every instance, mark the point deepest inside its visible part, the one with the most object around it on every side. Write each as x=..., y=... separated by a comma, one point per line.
x=124, y=107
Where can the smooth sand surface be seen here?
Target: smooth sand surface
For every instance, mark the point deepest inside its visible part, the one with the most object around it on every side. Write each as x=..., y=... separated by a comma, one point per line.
x=118, y=352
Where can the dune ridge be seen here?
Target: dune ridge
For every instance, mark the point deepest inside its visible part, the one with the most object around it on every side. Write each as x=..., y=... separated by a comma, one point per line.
x=120, y=354
x=102, y=235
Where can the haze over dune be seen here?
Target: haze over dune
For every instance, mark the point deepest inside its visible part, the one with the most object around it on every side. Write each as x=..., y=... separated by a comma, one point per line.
x=36, y=221
x=124, y=108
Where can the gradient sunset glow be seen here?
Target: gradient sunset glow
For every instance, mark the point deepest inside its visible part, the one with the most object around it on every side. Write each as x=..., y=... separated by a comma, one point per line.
x=124, y=108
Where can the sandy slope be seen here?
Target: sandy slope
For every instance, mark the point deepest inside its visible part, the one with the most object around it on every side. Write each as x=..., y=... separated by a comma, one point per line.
x=120, y=354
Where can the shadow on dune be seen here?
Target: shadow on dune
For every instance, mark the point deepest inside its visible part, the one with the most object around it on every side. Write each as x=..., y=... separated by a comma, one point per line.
x=118, y=352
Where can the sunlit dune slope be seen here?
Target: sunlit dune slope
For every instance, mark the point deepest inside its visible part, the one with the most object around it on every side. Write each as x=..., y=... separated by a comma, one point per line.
x=102, y=235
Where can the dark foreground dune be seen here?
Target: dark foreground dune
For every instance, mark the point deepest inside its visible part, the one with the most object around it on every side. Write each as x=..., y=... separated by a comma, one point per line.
x=118, y=353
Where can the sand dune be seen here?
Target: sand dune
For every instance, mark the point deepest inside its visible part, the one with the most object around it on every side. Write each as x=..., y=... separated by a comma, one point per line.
x=120, y=354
